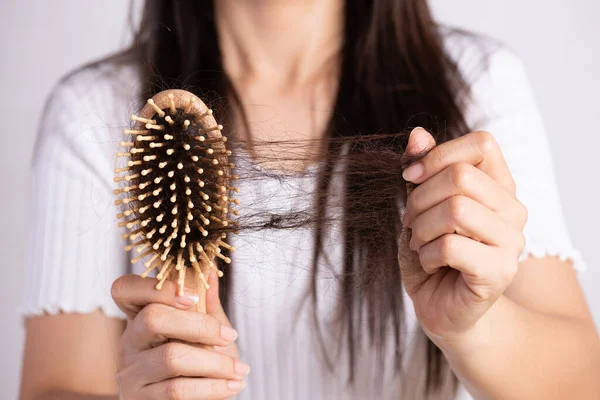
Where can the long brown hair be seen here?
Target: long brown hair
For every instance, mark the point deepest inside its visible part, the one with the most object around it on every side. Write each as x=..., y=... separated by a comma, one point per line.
x=395, y=74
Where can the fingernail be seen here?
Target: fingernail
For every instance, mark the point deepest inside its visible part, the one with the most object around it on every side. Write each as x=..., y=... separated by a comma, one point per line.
x=414, y=172
x=415, y=142
x=228, y=334
x=241, y=369
x=235, y=385
x=188, y=298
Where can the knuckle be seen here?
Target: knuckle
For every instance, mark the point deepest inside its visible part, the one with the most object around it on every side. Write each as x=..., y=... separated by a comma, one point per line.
x=521, y=242
x=208, y=326
x=425, y=262
x=415, y=236
x=512, y=185
x=217, y=386
x=461, y=175
x=486, y=141
x=226, y=364
x=168, y=357
x=151, y=318
x=203, y=324
x=524, y=213
x=118, y=288
x=486, y=292
x=446, y=248
x=437, y=156
x=412, y=200
x=510, y=271
x=175, y=389
x=458, y=207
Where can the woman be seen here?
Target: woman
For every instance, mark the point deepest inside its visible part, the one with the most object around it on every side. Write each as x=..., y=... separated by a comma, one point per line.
x=498, y=300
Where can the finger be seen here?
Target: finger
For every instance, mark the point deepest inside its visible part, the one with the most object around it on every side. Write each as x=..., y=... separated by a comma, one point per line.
x=412, y=274
x=213, y=301
x=157, y=322
x=419, y=142
x=215, y=309
x=465, y=179
x=485, y=269
x=174, y=359
x=463, y=216
x=131, y=293
x=193, y=389
x=477, y=148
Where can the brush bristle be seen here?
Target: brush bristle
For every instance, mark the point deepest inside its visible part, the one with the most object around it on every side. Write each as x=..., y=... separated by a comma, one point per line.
x=175, y=187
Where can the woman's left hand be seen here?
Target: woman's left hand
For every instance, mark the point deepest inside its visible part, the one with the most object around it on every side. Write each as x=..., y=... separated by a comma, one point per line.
x=466, y=228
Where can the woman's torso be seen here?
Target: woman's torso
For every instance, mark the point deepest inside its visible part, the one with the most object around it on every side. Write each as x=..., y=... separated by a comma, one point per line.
x=270, y=297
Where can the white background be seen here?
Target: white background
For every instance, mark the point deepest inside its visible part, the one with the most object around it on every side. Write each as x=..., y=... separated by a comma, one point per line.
x=41, y=40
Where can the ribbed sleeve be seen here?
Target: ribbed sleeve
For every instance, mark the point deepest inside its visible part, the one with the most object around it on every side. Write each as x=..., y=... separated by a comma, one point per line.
x=504, y=104
x=75, y=250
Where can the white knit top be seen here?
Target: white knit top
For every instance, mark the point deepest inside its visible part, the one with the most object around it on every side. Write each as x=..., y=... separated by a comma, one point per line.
x=75, y=249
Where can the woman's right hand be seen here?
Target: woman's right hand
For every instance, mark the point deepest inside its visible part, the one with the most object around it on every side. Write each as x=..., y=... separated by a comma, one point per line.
x=153, y=368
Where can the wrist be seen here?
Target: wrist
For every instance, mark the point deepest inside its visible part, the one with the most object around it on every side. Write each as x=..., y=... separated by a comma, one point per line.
x=478, y=337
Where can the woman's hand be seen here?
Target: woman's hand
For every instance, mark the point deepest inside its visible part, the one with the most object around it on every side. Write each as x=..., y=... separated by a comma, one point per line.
x=466, y=228
x=152, y=368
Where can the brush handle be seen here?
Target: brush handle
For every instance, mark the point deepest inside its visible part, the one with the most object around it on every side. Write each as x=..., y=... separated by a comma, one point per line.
x=193, y=282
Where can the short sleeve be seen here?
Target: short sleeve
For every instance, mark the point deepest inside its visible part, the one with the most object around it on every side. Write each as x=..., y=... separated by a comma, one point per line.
x=74, y=250
x=504, y=104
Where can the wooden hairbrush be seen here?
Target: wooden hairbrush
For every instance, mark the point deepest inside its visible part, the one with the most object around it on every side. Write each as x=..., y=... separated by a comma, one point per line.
x=175, y=192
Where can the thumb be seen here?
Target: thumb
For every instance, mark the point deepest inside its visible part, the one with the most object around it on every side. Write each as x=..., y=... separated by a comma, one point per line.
x=413, y=276
x=419, y=143
x=213, y=302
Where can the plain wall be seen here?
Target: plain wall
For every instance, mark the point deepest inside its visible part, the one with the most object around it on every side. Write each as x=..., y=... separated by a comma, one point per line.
x=42, y=40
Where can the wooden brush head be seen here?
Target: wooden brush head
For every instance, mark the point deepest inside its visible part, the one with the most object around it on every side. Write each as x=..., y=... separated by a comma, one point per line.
x=174, y=187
